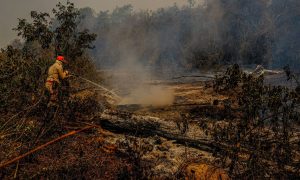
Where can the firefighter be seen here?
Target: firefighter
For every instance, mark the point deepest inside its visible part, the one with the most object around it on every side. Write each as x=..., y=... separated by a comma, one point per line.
x=56, y=74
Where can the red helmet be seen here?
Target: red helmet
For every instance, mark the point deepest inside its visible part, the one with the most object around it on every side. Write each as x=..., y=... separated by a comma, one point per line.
x=61, y=58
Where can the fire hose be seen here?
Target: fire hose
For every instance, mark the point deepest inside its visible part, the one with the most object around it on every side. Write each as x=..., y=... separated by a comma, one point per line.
x=45, y=145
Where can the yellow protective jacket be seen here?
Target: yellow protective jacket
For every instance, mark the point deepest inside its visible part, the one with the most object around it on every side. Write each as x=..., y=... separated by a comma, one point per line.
x=56, y=72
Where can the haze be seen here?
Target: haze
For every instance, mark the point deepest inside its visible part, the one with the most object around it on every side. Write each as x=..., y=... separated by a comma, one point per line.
x=11, y=10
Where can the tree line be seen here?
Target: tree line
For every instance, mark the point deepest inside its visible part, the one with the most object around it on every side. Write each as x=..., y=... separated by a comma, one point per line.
x=217, y=32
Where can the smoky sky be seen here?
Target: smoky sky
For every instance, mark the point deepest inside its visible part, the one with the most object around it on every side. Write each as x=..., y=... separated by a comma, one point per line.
x=11, y=10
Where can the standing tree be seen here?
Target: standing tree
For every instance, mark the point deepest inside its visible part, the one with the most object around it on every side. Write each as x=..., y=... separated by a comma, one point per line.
x=61, y=34
x=24, y=67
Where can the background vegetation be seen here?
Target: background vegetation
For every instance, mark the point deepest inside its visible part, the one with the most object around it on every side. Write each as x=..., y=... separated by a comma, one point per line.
x=216, y=33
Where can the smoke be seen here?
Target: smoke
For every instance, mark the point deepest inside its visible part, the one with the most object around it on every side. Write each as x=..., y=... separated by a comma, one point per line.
x=131, y=78
x=143, y=45
x=150, y=95
x=166, y=41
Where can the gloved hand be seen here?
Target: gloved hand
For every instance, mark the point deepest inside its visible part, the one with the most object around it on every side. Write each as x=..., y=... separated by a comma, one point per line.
x=67, y=73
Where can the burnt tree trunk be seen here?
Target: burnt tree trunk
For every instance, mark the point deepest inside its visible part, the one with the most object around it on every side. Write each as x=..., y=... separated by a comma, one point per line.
x=145, y=126
x=123, y=122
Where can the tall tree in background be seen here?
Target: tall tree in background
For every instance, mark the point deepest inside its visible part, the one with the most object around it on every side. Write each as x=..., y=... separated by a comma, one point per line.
x=61, y=34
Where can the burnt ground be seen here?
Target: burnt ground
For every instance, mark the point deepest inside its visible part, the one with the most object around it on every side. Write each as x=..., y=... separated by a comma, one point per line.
x=100, y=154
x=96, y=153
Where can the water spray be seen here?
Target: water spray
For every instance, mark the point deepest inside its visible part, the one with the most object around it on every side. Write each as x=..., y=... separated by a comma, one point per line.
x=98, y=85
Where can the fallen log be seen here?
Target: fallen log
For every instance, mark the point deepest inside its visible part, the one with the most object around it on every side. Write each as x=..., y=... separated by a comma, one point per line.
x=145, y=126
x=124, y=122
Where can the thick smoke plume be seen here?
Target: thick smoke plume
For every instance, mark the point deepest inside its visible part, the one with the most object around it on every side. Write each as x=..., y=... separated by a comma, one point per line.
x=145, y=45
x=132, y=79
x=215, y=32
